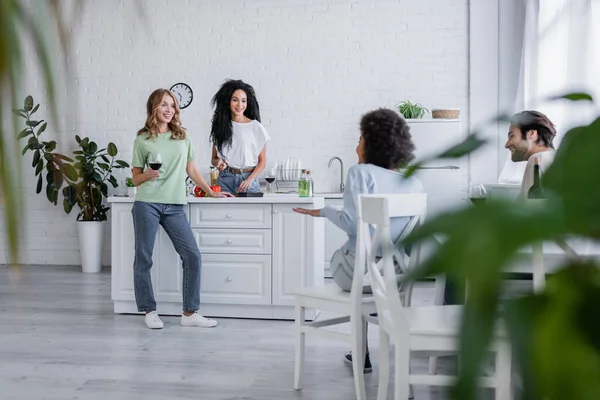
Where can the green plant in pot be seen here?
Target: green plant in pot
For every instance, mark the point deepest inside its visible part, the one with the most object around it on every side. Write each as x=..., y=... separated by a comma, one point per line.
x=411, y=110
x=84, y=180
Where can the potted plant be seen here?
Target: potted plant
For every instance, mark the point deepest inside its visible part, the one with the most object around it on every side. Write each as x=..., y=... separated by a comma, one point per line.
x=131, y=189
x=410, y=110
x=85, y=180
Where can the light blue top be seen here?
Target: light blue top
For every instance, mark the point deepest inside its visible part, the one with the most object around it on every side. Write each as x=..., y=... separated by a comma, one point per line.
x=370, y=179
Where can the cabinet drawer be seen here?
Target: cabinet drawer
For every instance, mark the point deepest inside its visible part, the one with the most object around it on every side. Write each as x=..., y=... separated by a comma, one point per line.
x=233, y=241
x=236, y=279
x=230, y=215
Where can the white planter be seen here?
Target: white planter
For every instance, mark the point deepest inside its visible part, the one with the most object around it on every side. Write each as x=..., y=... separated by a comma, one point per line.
x=131, y=191
x=90, y=245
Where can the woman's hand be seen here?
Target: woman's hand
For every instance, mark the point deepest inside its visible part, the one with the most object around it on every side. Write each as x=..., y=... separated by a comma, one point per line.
x=313, y=213
x=245, y=185
x=221, y=165
x=220, y=194
x=151, y=174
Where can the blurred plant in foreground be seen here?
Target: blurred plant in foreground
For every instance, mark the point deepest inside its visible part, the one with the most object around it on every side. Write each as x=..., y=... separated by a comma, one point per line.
x=554, y=334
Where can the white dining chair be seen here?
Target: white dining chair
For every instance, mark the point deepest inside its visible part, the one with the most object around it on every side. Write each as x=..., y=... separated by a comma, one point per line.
x=412, y=329
x=354, y=306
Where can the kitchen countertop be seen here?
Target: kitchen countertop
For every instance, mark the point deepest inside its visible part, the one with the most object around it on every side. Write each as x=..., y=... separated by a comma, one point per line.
x=266, y=199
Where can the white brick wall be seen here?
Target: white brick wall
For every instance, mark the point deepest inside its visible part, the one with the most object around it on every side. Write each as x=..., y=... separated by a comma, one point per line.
x=317, y=66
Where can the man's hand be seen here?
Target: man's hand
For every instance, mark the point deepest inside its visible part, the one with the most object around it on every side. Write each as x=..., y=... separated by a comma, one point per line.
x=313, y=213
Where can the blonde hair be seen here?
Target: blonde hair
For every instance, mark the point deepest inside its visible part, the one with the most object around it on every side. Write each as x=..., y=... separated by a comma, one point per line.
x=151, y=126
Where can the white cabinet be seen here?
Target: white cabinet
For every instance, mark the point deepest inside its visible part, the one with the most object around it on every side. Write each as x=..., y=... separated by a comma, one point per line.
x=296, y=256
x=334, y=236
x=254, y=255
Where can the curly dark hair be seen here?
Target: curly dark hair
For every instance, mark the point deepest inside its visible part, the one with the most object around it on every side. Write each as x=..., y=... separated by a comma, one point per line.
x=388, y=143
x=221, y=131
x=535, y=120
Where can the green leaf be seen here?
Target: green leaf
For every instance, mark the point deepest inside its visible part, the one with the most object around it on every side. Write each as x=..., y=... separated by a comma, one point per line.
x=113, y=181
x=104, y=166
x=104, y=189
x=39, y=167
x=67, y=206
x=84, y=143
x=36, y=158
x=34, y=109
x=574, y=97
x=24, y=133
x=33, y=123
x=58, y=178
x=50, y=192
x=50, y=146
x=70, y=194
x=557, y=331
x=27, y=147
x=78, y=139
x=70, y=172
x=93, y=147
x=572, y=176
x=33, y=141
x=38, y=188
x=28, y=103
x=122, y=164
x=105, y=159
x=42, y=128
x=520, y=315
x=20, y=113
x=112, y=149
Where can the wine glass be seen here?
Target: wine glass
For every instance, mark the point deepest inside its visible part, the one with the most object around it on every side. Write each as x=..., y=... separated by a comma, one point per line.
x=477, y=194
x=270, y=178
x=154, y=162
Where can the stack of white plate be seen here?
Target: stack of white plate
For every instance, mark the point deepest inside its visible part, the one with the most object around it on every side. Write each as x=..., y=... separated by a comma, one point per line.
x=289, y=170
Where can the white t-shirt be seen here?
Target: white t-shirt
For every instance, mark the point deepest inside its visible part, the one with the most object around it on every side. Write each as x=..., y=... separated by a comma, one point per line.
x=546, y=159
x=247, y=143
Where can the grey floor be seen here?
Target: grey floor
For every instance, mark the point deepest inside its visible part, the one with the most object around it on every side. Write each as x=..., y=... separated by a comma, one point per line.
x=60, y=340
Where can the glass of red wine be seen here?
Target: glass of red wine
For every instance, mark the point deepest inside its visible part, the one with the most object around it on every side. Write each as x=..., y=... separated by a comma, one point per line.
x=154, y=162
x=477, y=194
x=270, y=178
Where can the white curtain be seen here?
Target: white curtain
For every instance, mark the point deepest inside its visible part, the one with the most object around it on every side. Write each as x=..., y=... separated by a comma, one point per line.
x=561, y=53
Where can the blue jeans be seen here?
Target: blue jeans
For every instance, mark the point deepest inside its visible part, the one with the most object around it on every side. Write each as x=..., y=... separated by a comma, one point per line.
x=230, y=182
x=172, y=217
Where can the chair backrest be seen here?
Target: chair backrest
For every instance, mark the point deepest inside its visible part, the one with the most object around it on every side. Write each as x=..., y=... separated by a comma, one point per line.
x=377, y=211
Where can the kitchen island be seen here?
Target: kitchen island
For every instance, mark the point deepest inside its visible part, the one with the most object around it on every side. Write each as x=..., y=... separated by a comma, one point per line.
x=255, y=252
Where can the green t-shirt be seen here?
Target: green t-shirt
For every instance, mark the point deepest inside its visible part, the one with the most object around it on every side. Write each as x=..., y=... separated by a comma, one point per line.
x=170, y=185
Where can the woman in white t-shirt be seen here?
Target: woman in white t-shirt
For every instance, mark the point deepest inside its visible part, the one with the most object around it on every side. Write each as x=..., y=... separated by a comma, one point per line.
x=238, y=138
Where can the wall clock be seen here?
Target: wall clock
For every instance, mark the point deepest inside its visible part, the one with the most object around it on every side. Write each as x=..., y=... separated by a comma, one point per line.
x=184, y=94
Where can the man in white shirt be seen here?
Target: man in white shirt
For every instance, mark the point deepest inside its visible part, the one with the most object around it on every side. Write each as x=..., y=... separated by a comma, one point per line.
x=530, y=136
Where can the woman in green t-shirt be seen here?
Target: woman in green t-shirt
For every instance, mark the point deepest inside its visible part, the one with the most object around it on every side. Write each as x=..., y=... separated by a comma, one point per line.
x=160, y=199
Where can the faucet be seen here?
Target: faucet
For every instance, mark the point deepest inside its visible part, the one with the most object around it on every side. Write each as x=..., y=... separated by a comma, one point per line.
x=341, y=171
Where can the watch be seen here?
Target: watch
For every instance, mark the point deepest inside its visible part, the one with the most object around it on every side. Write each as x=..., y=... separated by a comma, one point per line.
x=184, y=94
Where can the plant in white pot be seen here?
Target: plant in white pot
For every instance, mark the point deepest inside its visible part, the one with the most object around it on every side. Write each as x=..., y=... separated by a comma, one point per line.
x=86, y=179
x=94, y=168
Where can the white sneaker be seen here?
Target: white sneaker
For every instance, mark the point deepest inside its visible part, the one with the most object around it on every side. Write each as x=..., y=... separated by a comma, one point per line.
x=197, y=320
x=153, y=320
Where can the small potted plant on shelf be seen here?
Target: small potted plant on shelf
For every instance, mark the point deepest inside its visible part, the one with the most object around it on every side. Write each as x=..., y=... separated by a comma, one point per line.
x=131, y=189
x=411, y=110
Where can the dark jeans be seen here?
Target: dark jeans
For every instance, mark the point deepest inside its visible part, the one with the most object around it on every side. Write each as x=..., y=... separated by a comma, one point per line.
x=172, y=217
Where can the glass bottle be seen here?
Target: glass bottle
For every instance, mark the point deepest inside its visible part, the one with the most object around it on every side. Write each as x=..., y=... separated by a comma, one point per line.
x=310, y=184
x=303, y=185
x=536, y=191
